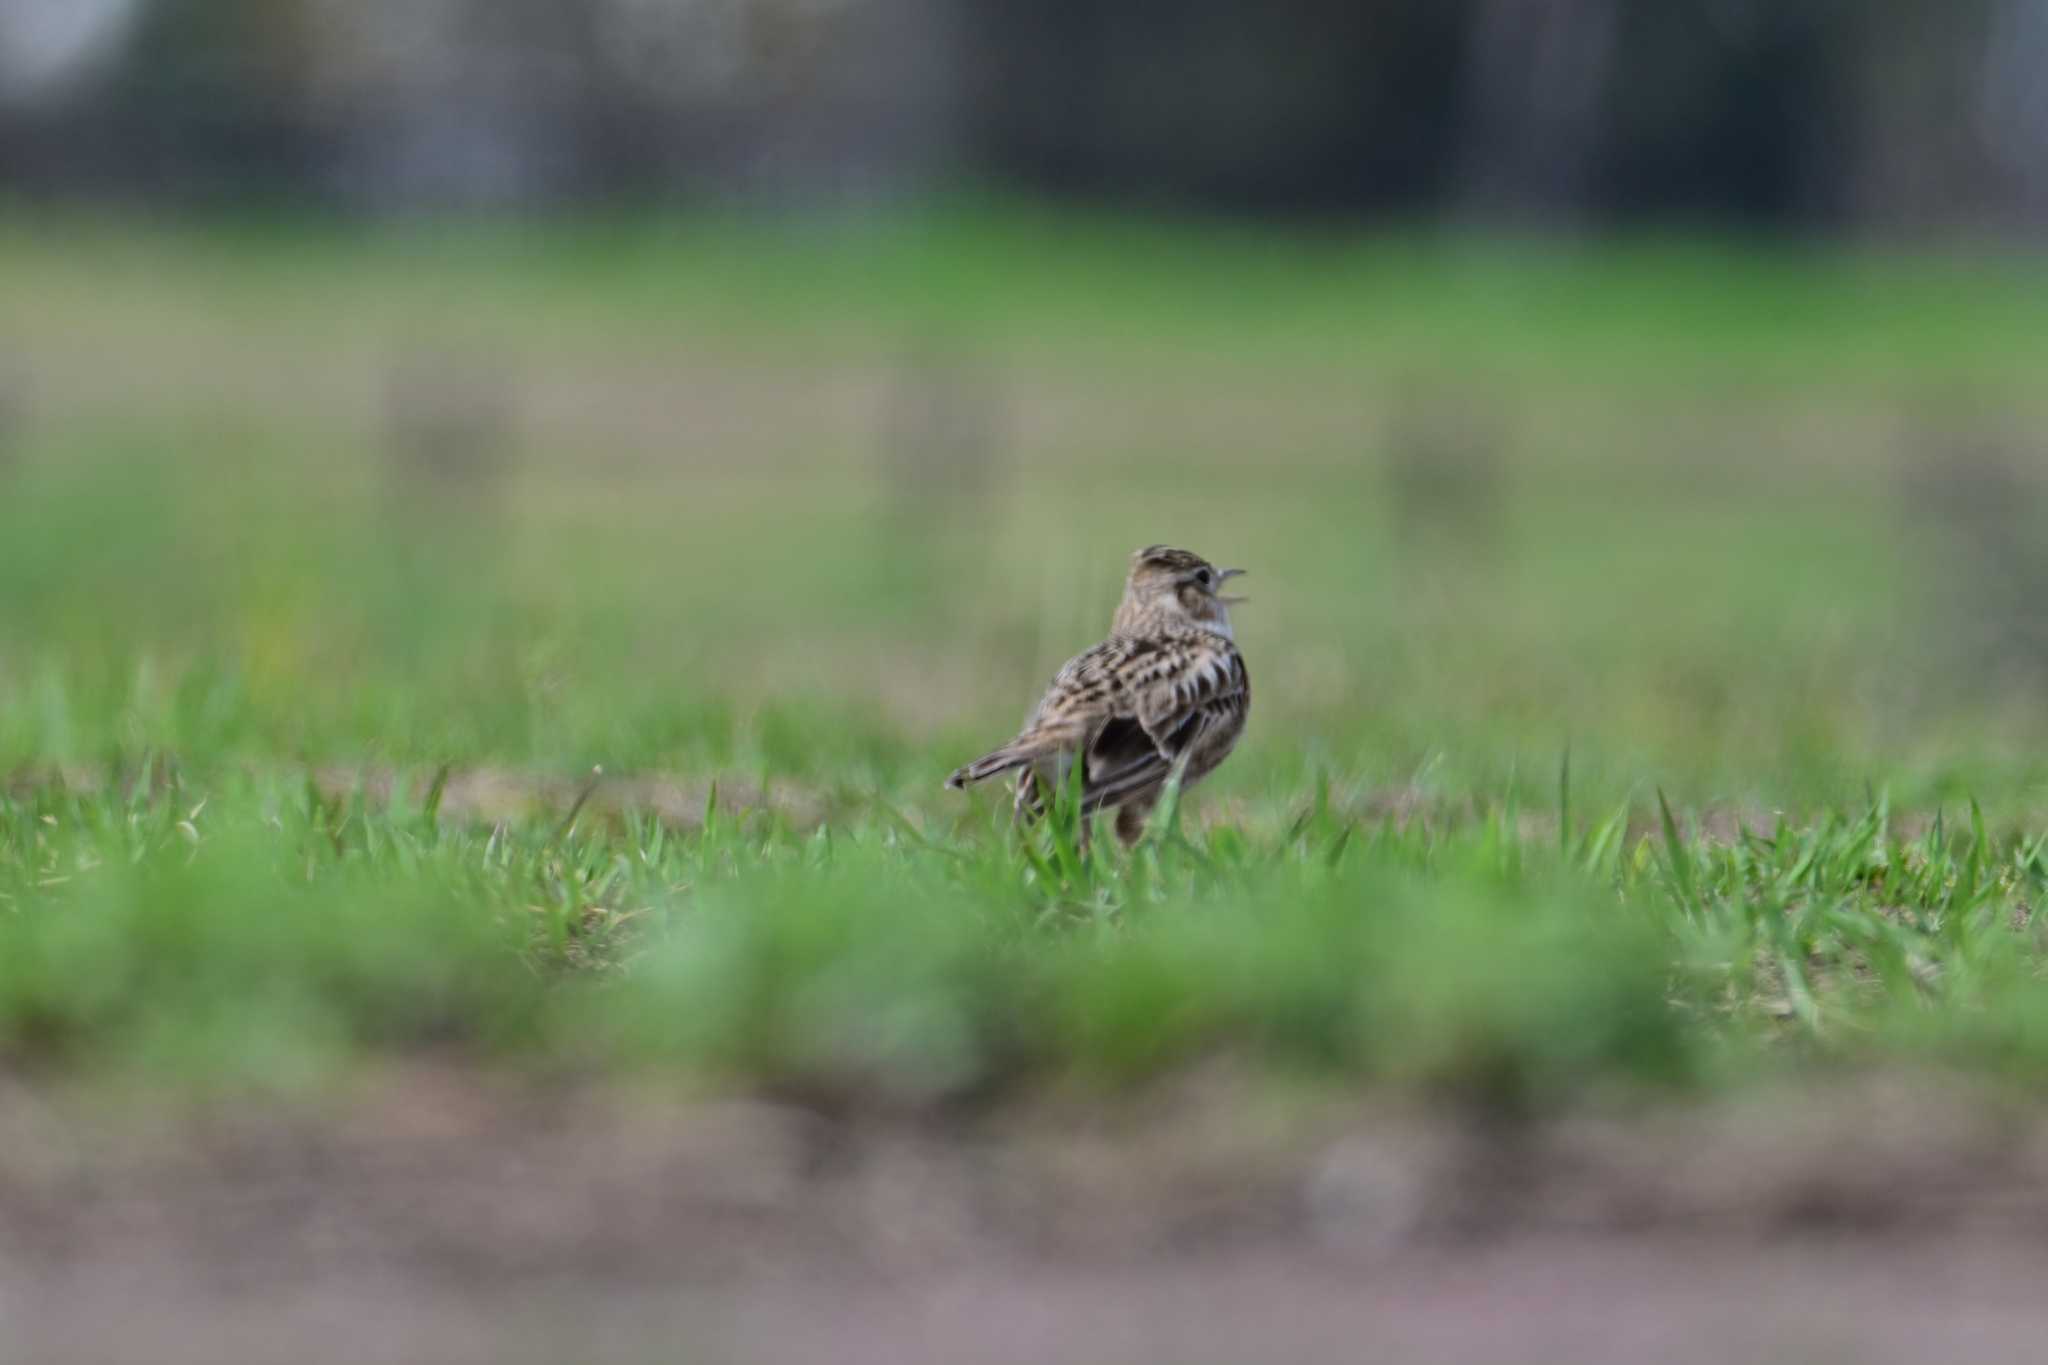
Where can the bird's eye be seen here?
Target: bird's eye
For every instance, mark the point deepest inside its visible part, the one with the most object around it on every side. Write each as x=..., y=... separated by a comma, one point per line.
x=1202, y=577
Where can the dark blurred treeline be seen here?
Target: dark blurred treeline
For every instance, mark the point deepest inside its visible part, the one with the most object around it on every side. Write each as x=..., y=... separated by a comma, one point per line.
x=1879, y=115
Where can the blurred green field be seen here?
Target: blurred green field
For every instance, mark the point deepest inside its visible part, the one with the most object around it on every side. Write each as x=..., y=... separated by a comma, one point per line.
x=293, y=519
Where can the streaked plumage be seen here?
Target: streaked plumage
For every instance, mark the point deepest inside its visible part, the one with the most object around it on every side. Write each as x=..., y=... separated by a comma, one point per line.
x=1167, y=686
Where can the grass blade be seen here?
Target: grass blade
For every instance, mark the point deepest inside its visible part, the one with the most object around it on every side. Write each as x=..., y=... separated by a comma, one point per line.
x=1679, y=859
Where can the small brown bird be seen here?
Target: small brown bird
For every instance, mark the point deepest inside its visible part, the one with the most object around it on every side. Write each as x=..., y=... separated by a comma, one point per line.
x=1167, y=687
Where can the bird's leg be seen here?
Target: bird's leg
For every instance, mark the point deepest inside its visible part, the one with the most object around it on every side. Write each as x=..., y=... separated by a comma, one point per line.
x=1130, y=820
x=1027, y=805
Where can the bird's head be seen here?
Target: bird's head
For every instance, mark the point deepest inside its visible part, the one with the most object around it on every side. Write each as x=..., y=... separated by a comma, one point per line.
x=1169, y=587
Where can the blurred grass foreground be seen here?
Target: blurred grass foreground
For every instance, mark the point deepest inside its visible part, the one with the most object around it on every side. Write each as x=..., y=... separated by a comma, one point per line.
x=1647, y=642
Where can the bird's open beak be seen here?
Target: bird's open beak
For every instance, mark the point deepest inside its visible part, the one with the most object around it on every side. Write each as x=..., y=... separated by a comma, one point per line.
x=1224, y=576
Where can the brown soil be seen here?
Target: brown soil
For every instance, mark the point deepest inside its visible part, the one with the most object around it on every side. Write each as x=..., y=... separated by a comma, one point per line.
x=437, y=1214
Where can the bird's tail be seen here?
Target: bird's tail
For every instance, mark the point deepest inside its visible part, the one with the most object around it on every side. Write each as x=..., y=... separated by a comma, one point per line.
x=1016, y=754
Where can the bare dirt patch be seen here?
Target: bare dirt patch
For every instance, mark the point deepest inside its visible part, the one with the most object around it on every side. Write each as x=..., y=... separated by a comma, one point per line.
x=446, y=1214
x=481, y=796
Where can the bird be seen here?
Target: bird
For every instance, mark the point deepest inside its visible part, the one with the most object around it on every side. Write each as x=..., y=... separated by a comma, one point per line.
x=1168, y=689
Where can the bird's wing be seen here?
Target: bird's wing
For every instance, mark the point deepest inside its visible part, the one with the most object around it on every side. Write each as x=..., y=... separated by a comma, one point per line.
x=1175, y=691
x=1132, y=704
x=1181, y=680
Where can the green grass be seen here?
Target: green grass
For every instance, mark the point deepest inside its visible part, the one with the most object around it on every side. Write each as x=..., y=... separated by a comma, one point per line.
x=1696, y=549
x=1057, y=282
x=265, y=932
